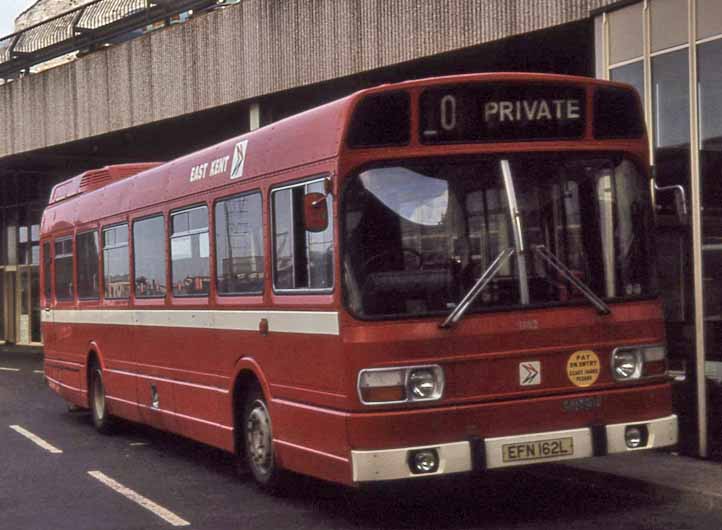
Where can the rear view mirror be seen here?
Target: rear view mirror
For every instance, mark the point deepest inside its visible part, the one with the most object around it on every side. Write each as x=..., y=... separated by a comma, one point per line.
x=680, y=199
x=315, y=212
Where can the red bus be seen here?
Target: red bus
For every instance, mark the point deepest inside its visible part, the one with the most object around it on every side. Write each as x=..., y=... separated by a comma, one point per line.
x=438, y=276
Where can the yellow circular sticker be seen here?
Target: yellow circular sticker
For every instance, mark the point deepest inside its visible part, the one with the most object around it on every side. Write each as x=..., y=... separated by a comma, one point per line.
x=583, y=368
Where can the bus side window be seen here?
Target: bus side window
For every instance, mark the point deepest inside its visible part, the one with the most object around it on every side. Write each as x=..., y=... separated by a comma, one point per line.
x=149, y=257
x=87, y=246
x=189, y=252
x=239, y=245
x=47, y=279
x=302, y=259
x=116, y=264
x=64, y=288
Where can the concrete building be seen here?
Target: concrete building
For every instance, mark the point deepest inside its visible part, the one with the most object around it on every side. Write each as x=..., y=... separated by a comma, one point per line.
x=228, y=70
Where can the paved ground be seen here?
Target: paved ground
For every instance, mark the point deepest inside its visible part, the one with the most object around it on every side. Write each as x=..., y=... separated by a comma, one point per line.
x=197, y=485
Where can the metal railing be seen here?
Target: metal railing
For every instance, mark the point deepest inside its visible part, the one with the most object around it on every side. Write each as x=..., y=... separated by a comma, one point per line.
x=85, y=28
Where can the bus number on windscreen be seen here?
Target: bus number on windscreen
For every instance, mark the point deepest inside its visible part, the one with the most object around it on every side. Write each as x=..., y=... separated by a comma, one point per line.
x=448, y=112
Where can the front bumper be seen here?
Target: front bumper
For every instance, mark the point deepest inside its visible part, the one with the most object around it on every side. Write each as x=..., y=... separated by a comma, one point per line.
x=508, y=451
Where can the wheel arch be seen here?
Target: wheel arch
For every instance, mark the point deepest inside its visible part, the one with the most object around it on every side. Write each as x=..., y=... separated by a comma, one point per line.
x=247, y=374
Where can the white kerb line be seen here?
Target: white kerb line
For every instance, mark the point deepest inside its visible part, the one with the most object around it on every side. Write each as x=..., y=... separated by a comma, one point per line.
x=137, y=498
x=36, y=440
x=3, y=369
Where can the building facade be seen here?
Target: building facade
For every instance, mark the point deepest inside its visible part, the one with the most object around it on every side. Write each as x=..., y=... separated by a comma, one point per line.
x=671, y=51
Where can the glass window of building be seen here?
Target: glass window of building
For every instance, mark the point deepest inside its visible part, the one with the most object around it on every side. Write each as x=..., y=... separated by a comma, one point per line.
x=632, y=74
x=709, y=55
x=670, y=107
x=239, y=245
x=709, y=58
x=116, y=273
x=87, y=245
x=189, y=251
x=670, y=98
x=29, y=244
x=64, y=286
x=302, y=259
x=149, y=257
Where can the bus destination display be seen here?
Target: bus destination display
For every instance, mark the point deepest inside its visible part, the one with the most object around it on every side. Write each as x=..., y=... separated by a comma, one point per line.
x=496, y=112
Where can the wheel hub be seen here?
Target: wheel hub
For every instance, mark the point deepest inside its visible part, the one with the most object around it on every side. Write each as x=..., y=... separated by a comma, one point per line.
x=258, y=438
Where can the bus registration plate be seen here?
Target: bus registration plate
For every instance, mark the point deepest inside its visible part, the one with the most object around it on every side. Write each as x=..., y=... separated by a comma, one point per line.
x=538, y=449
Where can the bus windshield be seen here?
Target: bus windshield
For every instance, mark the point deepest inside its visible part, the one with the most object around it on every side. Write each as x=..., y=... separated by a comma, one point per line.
x=419, y=234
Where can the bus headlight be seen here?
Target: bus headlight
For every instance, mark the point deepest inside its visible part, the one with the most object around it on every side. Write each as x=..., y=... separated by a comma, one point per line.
x=626, y=364
x=377, y=386
x=633, y=362
x=425, y=383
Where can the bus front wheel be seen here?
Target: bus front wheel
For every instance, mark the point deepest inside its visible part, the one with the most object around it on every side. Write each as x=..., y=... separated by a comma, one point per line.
x=258, y=442
x=99, y=409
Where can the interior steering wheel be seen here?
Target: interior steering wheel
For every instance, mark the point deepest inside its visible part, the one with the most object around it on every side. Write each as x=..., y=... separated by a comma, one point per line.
x=416, y=253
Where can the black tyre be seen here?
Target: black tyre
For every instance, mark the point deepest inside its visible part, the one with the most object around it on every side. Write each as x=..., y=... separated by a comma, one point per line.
x=258, y=443
x=96, y=395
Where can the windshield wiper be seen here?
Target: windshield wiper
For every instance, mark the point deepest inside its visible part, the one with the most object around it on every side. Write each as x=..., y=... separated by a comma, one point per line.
x=562, y=269
x=482, y=282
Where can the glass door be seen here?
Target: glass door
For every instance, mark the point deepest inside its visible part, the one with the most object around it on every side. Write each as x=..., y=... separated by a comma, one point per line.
x=709, y=105
x=3, y=306
x=28, y=305
x=9, y=304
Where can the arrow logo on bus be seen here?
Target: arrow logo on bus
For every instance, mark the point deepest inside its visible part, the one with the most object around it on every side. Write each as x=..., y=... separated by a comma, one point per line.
x=530, y=373
x=239, y=159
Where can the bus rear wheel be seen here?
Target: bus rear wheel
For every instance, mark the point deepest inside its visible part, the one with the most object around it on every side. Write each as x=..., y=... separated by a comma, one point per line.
x=98, y=406
x=258, y=443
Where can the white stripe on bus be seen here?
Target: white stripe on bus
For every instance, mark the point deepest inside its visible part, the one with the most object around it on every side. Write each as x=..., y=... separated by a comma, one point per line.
x=36, y=440
x=137, y=498
x=307, y=322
